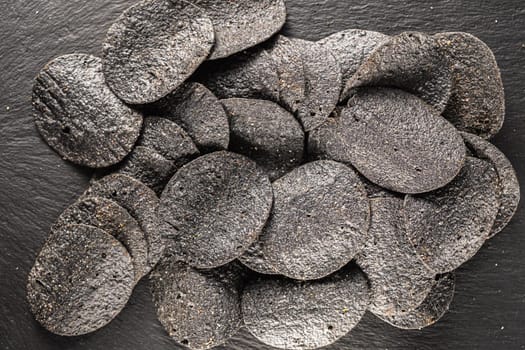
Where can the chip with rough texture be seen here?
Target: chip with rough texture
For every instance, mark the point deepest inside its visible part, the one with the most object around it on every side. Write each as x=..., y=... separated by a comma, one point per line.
x=394, y=139
x=199, y=309
x=198, y=111
x=248, y=74
x=214, y=208
x=399, y=280
x=322, y=83
x=254, y=259
x=114, y=220
x=169, y=140
x=289, y=314
x=319, y=220
x=351, y=48
x=149, y=167
x=411, y=61
x=239, y=25
x=477, y=104
x=140, y=201
x=79, y=116
x=448, y=226
x=434, y=306
x=509, y=186
x=153, y=47
x=289, y=63
x=82, y=278
x=266, y=133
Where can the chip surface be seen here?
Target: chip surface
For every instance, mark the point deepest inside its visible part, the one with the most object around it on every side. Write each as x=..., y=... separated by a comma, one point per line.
x=79, y=116
x=399, y=280
x=289, y=314
x=322, y=84
x=153, y=47
x=198, y=111
x=248, y=74
x=254, y=259
x=477, y=104
x=114, y=220
x=199, y=309
x=140, y=201
x=82, y=278
x=215, y=207
x=266, y=133
x=239, y=25
x=319, y=220
x=351, y=48
x=448, y=226
x=434, y=306
x=411, y=61
x=509, y=186
x=394, y=139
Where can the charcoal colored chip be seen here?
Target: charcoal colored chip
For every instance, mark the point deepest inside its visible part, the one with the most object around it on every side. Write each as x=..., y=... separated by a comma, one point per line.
x=149, y=167
x=399, y=280
x=215, y=207
x=196, y=109
x=322, y=84
x=288, y=314
x=411, y=61
x=254, y=259
x=248, y=74
x=114, y=220
x=242, y=24
x=289, y=63
x=140, y=201
x=477, y=104
x=199, y=309
x=319, y=220
x=394, y=139
x=153, y=47
x=448, y=226
x=509, y=186
x=82, y=278
x=79, y=116
x=435, y=305
x=169, y=140
x=266, y=133
x=351, y=48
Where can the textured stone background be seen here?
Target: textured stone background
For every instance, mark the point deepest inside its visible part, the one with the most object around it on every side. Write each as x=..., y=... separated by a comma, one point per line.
x=35, y=185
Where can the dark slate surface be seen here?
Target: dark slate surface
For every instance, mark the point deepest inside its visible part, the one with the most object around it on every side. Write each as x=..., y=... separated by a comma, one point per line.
x=35, y=185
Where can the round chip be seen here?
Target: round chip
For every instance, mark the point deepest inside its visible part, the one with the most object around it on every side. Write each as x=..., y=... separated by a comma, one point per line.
x=82, y=278
x=509, y=186
x=477, y=104
x=322, y=84
x=199, y=113
x=215, y=207
x=153, y=47
x=289, y=63
x=249, y=74
x=199, y=309
x=254, y=259
x=79, y=116
x=448, y=226
x=394, y=139
x=140, y=201
x=434, y=306
x=351, y=48
x=148, y=167
x=319, y=220
x=289, y=314
x=266, y=133
x=399, y=280
x=114, y=220
x=169, y=140
x=242, y=24
x=411, y=61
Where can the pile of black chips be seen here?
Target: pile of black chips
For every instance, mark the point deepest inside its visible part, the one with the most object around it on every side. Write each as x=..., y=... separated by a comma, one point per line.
x=301, y=183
